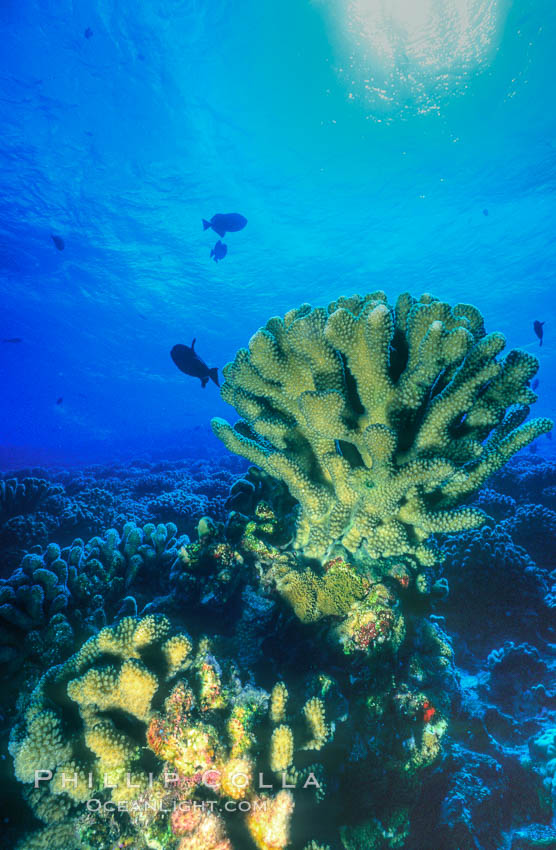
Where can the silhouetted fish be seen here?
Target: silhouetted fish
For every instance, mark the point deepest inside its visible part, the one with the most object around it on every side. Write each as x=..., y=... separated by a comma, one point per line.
x=219, y=251
x=58, y=241
x=538, y=328
x=535, y=384
x=189, y=362
x=549, y=435
x=485, y=212
x=13, y=339
x=533, y=448
x=60, y=399
x=223, y=223
x=88, y=33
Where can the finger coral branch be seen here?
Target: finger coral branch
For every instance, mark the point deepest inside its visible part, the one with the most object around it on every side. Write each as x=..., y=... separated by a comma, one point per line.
x=380, y=420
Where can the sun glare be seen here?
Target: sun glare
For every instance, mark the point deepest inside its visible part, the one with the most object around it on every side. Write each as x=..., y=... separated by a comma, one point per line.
x=437, y=34
x=424, y=48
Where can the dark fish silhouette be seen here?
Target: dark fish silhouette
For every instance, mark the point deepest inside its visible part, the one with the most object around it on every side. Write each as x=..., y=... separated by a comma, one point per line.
x=533, y=448
x=549, y=435
x=13, y=339
x=485, y=212
x=538, y=328
x=188, y=361
x=60, y=399
x=88, y=33
x=535, y=384
x=223, y=223
x=219, y=251
x=58, y=241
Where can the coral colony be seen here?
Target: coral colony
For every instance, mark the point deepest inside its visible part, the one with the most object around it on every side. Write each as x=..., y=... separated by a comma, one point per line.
x=309, y=704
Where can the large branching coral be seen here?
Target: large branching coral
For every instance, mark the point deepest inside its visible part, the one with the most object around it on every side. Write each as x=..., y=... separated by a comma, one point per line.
x=380, y=420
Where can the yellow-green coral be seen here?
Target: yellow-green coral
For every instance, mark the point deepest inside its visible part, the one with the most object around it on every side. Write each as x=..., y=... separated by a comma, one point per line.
x=371, y=623
x=42, y=745
x=278, y=702
x=131, y=688
x=380, y=420
x=281, y=749
x=312, y=596
x=75, y=725
x=269, y=821
x=55, y=835
x=110, y=714
x=315, y=716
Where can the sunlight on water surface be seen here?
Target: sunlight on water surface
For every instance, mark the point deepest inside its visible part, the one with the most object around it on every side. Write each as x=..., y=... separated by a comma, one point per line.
x=414, y=50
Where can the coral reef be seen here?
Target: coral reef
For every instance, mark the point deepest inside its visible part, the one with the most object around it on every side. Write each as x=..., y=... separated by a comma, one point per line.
x=543, y=753
x=21, y=497
x=42, y=505
x=136, y=689
x=527, y=479
x=380, y=420
x=514, y=683
x=323, y=710
x=495, y=587
x=534, y=528
x=56, y=594
x=87, y=718
x=24, y=506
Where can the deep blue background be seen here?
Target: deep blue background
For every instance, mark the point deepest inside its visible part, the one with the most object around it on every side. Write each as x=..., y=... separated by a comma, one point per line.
x=363, y=150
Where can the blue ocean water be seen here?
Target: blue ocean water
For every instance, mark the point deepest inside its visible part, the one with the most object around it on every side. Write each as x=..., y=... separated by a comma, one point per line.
x=400, y=146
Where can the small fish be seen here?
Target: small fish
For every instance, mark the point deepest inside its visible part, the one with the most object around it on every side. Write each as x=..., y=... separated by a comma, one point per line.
x=219, y=251
x=549, y=435
x=60, y=399
x=485, y=212
x=13, y=339
x=188, y=361
x=533, y=448
x=535, y=384
x=58, y=241
x=223, y=223
x=538, y=328
x=88, y=33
